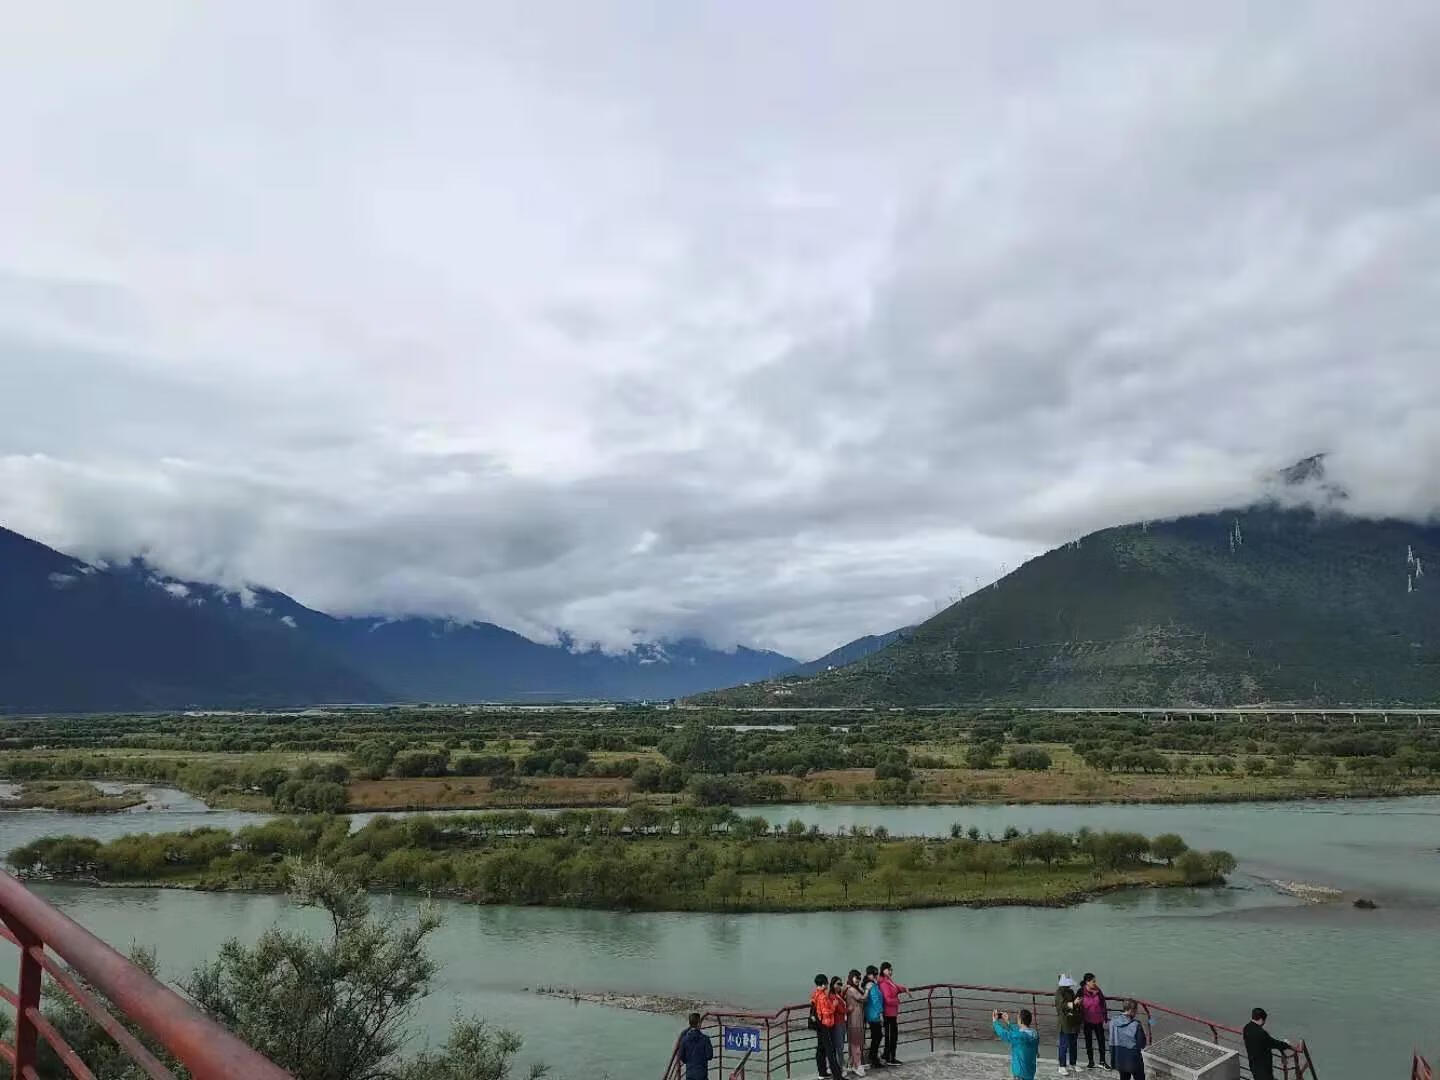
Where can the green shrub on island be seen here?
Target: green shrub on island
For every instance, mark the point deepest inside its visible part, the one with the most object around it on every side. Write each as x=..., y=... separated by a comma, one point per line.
x=1030, y=758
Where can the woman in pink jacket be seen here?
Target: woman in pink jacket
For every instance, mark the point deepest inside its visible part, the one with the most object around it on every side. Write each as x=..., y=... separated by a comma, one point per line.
x=1095, y=1012
x=890, y=992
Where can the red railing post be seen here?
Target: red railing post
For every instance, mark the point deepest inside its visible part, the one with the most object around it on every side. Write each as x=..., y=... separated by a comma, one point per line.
x=26, y=1034
x=930, y=1016
x=787, y=1045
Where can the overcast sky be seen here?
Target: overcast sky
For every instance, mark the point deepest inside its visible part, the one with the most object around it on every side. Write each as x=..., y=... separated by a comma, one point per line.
x=776, y=323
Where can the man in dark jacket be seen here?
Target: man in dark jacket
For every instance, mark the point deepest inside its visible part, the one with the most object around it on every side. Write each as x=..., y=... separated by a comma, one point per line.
x=1260, y=1045
x=695, y=1050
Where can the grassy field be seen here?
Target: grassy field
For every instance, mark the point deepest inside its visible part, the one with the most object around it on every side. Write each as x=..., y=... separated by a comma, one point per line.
x=455, y=758
x=1068, y=780
x=1036, y=887
x=476, y=792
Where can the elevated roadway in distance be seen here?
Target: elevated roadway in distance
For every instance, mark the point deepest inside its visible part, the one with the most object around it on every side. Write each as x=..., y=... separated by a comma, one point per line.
x=1267, y=711
x=1162, y=712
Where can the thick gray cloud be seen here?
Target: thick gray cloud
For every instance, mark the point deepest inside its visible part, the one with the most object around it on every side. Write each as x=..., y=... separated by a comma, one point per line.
x=773, y=323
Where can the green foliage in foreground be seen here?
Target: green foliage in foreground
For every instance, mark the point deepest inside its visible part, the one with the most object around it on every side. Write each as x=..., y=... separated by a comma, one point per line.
x=341, y=1008
x=642, y=858
x=336, y=1007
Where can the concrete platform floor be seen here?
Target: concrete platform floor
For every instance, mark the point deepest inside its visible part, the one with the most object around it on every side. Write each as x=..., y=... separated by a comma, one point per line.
x=953, y=1065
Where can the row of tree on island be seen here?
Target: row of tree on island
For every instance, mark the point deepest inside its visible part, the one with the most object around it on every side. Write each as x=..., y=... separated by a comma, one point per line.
x=643, y=857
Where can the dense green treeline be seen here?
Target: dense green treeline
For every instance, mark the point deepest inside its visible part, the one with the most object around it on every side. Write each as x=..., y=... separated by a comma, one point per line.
x=476, y=741
x=304, y=763
x=641, y=858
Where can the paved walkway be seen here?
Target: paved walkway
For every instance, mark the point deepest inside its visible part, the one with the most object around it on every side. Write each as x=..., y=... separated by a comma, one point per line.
x=950, y=1065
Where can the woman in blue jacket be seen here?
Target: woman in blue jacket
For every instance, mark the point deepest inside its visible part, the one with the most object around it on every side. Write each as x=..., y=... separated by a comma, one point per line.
x=874, y=1013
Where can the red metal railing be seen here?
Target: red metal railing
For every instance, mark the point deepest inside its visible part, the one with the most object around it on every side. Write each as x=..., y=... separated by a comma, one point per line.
x=942, y=1016
x=43, y=934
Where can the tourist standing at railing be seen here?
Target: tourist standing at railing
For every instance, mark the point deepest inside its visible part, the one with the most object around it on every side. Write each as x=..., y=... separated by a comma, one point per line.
x=695, y=1050
x=1023, y=1041
x=1260, y=1046
x=841, y=1031
x=1094, y=1013
x=1067, y=1024
x=890, y=992
x=874, y=1013
x=1128, y=1036
x=822, y=1020
x=855, y=1018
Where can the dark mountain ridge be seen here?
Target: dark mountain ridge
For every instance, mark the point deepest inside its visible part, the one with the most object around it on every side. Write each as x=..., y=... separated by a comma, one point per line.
x=76, y=637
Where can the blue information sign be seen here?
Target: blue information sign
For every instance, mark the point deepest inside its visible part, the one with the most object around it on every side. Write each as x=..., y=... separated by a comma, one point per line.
x=745, y=1040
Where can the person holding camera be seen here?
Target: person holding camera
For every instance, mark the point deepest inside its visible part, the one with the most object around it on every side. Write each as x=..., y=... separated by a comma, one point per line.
x=1024, y=1043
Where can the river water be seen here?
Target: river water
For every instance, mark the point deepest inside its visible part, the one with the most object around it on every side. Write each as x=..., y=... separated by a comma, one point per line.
x=1350, y=982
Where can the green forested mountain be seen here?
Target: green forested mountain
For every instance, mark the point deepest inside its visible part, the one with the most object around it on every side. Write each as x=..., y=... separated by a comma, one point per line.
x=848, y=653
x=1259, y=605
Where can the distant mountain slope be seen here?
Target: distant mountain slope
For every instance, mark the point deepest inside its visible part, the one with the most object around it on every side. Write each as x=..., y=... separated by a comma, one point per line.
x=440, y=660
x=75, y=637
x=850, y=652
x=1259, y=605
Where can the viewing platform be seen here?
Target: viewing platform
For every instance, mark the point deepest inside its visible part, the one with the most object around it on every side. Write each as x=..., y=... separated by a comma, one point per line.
x=945, y=1033
x=944, y=1028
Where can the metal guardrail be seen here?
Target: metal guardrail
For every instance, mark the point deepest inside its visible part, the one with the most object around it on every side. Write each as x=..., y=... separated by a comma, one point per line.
x=45, y=937
x=941, y=1016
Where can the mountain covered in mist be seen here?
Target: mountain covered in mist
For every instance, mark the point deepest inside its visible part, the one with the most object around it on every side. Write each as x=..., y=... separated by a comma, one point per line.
x=81, y=637
x=77, y=637
x=1266, y=604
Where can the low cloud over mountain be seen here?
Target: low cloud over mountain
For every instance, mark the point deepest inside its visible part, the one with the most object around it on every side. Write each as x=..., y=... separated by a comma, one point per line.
x=761, y=324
